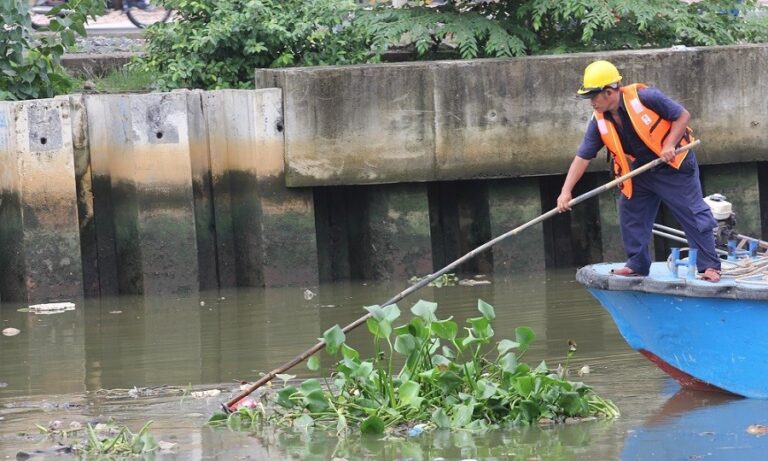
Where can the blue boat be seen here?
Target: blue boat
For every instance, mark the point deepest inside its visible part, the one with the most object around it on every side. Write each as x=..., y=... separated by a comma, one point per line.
x=708, y=336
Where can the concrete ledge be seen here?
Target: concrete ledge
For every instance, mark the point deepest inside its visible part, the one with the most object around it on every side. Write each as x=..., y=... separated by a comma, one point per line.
x=493, y=118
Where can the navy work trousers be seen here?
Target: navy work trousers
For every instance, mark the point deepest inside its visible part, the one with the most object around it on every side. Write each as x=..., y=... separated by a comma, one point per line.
x=680, y=191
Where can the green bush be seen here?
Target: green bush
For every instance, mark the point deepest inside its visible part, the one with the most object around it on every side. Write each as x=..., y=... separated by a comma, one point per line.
x=219, y=43
x=30, y=68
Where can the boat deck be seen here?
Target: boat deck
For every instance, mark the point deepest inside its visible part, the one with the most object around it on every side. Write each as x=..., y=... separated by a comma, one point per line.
x=662, y=280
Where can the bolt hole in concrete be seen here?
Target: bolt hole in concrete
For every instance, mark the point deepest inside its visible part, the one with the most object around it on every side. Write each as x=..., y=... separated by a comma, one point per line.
x=280, y=127
x=159, y=135
x=43, y=140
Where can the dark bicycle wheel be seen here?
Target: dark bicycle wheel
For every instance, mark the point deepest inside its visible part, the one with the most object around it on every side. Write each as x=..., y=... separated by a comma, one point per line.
x=143, y=13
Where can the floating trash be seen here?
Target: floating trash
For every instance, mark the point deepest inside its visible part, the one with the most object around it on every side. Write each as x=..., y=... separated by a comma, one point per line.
x=247, y=402
x=49, y=308
x=204, y=394
x=166, y=447
x=416, y=430
x=757, y=429
x=309, y=294
x=472, y=282
x=11, y=331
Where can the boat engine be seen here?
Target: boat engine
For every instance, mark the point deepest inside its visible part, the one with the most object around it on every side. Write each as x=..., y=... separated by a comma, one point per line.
x=725, y=217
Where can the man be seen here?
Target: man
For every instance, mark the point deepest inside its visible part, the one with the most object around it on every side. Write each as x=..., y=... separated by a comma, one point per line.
x=638, y=124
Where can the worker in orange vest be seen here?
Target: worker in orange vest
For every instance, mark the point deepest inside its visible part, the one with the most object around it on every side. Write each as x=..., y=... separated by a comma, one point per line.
x=638, y=124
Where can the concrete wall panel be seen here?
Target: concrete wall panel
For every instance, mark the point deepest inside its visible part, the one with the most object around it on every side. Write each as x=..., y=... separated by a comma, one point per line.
x=265, y=232
x=511, y=204
x=84, y=188
x=392, y=237
x=287, y=215
x=141, y=161
x=371, y=123
x=41, y=231
x=202, y=191
x=11, y=234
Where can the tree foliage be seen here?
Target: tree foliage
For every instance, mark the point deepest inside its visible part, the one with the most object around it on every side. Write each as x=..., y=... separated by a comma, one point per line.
x=30, y=67
x=219, y=43
x=488, y=28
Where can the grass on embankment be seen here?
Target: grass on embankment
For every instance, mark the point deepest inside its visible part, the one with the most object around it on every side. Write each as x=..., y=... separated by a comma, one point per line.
x=125, y=79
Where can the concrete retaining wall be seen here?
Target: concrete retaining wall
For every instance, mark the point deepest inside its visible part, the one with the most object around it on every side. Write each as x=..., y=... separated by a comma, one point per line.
x=294, y=182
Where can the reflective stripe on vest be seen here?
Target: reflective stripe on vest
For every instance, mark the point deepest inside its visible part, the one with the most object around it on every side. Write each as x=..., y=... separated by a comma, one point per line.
x=650, y=128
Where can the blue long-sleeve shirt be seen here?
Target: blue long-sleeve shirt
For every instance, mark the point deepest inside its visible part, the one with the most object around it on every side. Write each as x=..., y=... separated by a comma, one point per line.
x=653, y=99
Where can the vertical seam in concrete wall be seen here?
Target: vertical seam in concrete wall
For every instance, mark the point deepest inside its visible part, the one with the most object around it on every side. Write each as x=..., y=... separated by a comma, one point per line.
x=209, y=173
x=435, y=121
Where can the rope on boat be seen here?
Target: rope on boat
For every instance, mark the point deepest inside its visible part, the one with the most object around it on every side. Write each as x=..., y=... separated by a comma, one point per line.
x=749, y=270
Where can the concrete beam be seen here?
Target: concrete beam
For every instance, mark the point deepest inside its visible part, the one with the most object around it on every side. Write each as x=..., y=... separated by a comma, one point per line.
x=340, y=125
x=424, y=121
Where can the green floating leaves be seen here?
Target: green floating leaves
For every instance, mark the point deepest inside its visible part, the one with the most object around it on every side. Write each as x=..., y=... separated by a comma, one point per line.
x=372, y=425
x=313, y=363
x=333, y=338
x=446, y=329
x=486, y=309
x=524, y=336
x=445, y=380
x=425, y=310
x=506, y=345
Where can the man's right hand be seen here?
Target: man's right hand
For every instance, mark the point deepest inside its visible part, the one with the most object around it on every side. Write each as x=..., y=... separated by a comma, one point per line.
x=562, y=201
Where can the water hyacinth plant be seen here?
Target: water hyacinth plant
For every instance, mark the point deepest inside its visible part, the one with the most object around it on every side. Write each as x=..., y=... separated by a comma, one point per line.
x=447, y=380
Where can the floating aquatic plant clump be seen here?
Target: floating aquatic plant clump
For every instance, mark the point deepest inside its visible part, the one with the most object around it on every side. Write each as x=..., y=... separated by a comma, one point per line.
x=101, y=439
x=448, y=379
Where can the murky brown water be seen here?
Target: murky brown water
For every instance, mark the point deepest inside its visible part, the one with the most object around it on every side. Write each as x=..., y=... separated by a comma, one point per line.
x=58, y=366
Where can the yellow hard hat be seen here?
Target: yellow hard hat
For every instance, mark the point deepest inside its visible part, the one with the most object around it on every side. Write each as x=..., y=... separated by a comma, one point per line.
x=597, y=76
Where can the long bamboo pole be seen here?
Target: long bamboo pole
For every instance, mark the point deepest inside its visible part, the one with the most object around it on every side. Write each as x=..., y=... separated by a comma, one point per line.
x=231, y=404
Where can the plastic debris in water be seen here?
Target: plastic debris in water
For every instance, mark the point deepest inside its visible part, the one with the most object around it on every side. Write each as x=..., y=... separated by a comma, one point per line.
x=51, y=308
x=11, y=331
x=472, y=282
x=757, y=429
x=308, y=294
x=247, y=402
x=166, y=447
x=204, y=394
x=416, y=430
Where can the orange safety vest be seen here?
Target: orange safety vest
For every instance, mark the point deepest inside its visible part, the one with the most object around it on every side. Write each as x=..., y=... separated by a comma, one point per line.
x=649, y=126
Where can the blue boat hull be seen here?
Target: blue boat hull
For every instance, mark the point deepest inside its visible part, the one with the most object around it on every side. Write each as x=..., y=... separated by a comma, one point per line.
x=703, y=338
